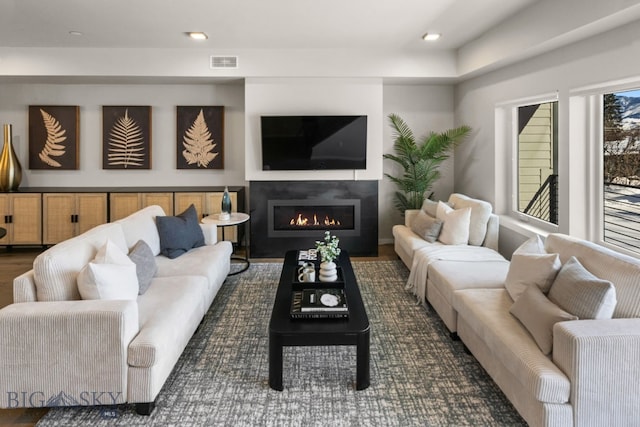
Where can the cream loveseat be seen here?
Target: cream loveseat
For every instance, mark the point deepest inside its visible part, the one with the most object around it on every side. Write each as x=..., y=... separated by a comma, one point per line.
x=560, y=335
x=57, y=349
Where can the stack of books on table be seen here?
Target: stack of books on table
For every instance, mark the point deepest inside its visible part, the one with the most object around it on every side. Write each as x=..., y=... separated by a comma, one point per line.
x=328, y=303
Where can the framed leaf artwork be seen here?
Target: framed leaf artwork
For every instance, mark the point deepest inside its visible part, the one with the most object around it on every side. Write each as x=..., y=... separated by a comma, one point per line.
x=126, y=137
x=200, y=137
x=54, y=131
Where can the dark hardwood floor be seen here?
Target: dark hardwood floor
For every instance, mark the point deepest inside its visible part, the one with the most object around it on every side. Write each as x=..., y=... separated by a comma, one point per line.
x=19, y=260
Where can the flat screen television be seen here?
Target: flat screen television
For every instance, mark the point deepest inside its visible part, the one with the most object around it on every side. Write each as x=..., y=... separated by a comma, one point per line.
x=314, y=142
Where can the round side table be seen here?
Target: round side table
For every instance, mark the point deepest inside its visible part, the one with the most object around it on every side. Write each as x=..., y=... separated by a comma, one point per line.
x=236, y=218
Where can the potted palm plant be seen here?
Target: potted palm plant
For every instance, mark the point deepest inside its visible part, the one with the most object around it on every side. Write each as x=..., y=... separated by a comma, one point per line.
x=420, y=161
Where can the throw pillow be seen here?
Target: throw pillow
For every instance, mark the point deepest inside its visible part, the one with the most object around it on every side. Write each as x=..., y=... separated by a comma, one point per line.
x=579, y=292
x=430, y=207
x=180, y=233
x=455, y=224
x=145, y=262
x=111, y=275
x=534, y=245
x=531, y=270
x=426, y=226
x=538, y=315
x=480, y=214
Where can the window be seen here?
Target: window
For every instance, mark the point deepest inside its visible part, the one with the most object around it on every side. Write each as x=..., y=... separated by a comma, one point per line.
x=537, y=148
x=621, y=169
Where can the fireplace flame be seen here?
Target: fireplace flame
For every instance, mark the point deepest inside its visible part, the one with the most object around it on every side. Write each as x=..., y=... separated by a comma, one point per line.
x=303, y=221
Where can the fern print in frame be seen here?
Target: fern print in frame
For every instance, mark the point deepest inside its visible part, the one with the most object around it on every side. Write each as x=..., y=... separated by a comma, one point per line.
x=53, y=137
x=200, y=137
x=126, y=137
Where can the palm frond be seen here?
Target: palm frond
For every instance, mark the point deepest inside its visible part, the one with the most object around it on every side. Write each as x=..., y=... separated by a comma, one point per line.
x=420, y=162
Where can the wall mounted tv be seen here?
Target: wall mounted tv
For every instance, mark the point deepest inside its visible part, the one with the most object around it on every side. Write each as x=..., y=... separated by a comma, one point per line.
x=314, y=142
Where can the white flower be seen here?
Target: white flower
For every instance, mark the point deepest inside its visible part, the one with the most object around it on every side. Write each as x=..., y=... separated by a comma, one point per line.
x=328, y=249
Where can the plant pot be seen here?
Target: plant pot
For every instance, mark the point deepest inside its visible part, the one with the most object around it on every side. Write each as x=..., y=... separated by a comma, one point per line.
x=328, y=272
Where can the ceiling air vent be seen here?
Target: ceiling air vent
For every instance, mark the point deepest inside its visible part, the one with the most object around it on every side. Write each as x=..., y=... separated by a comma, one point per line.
x=224, y=62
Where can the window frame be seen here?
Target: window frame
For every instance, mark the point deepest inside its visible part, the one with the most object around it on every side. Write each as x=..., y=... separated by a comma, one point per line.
x=592, y=100
x=510, y=108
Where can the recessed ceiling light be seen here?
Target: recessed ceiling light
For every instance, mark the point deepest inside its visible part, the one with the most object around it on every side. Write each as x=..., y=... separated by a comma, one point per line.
x=431, y=37
x=76, y=33
x=198, y=35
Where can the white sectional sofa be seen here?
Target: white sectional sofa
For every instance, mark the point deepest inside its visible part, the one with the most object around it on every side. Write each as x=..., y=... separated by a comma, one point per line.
x=555, y=371
x=58, y=349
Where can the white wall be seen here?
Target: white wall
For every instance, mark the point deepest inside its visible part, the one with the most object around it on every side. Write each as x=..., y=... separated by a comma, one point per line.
x=15, y=99
x=481, y=163
x=300, y=96
x=424, y=108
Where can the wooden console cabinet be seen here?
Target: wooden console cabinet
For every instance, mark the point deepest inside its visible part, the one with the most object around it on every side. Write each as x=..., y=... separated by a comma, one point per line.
x=68, y=214
x=124, y=204
x=37, y=216
x=21, y=216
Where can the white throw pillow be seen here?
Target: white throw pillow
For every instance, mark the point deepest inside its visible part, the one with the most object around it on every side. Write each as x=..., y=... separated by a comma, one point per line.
x=455, y=224
x=534, y=245
x=531, y=270
x=111, y=275
x=480, y=214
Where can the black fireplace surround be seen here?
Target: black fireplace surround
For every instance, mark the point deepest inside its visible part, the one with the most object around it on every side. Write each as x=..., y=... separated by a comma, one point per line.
x=294, y=214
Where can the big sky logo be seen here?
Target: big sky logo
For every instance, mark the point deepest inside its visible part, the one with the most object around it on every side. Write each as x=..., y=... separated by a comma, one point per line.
x=37, y=399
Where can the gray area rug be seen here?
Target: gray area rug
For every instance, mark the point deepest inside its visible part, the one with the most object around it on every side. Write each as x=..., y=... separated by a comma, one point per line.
x=419, y=376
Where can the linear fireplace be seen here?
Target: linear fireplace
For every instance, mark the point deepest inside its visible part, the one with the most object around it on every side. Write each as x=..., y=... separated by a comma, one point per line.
x=294, y=214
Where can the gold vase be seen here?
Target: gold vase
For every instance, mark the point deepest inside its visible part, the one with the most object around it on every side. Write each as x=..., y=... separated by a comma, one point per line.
x=10, y=169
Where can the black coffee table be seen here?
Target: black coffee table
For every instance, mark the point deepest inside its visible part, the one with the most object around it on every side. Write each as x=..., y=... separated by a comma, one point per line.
x=284, y=331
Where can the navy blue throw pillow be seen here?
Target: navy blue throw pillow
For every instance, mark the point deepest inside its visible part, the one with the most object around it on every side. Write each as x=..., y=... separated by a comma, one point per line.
x=179, y=234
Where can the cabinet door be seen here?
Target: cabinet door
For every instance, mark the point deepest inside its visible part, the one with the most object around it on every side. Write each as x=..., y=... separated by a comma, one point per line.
x=26, y=220
x=122, y=205
x=91, y=209
x=214, y=206
x=4, y=213
x=164, y=200
x=58, y=209
x=183, y=200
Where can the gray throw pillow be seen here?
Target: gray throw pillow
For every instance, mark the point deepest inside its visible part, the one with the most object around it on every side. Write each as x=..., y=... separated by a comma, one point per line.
x=579, y=292
x=145, y=262
x=538, y=315
x=180, y=233
x=426, y=226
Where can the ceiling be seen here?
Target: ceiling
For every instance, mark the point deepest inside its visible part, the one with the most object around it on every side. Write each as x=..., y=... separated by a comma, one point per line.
x=255, y=24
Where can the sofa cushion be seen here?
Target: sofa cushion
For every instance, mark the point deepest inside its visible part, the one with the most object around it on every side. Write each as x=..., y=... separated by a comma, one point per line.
x=455, y=224
x=486, y=311
x=581, y=293
x=426, y=226
x=145, y=262
x=141, y=225
x=531, y=270
x=169, y=312
x=480, y=213
x=56, y=269
x=111, y=275
x=451, y=276
x=180, y=233
x=210, y=261
x=538, y=315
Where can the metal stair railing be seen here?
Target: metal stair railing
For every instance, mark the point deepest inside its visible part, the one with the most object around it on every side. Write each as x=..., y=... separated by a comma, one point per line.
x=544, y=204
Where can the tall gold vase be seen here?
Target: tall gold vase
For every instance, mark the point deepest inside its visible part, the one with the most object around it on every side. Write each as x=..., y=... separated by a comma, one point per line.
x=10, y=169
